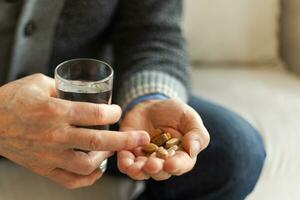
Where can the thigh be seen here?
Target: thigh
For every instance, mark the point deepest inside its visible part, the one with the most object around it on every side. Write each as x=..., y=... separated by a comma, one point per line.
x=16, y=183
x=227, y=169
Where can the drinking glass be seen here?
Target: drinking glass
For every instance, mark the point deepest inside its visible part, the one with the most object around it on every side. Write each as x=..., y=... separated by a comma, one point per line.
x=85, y=80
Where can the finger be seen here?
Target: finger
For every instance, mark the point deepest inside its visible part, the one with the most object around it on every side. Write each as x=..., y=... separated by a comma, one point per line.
x=125, y=160
x=82, y=163
x=73, y=181
x=179, y=164
x=95, y=140
x=195, y=141
x=138, y=151
x=153, y=165
x=162, y=175
x=88, y=114
x=135, y=171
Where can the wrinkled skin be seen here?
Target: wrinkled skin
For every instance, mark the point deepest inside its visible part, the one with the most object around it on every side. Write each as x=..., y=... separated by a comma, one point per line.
x=40, y=132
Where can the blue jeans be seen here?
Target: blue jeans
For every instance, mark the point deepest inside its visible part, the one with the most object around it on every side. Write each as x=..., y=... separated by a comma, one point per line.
x=227, y=170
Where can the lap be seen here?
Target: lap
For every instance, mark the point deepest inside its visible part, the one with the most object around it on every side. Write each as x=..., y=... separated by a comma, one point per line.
x=232, y=160
x=17, y=183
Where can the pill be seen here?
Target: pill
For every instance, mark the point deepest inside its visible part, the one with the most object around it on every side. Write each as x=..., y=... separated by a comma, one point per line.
x=150, y=148
x=156, y=132
x=161, y=139
x=171, y=142
x=171, y=152
x=175, y=148
x=162, y=153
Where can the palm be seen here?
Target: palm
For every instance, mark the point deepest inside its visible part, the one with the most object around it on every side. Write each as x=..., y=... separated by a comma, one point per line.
x=174, y=117
x=165, y=115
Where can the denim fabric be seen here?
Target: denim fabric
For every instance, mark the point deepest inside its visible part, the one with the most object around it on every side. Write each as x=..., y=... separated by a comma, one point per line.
x=227, y=170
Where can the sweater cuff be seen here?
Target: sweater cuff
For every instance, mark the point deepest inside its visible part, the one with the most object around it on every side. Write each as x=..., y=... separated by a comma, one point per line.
x=149, y=82
x=145, y=98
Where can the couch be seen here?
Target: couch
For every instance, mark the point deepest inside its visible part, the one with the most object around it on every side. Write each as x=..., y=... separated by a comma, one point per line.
x=245, y=57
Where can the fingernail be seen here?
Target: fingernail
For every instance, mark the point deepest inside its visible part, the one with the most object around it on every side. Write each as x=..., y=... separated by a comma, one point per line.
x=144, y=138
x=195, y=149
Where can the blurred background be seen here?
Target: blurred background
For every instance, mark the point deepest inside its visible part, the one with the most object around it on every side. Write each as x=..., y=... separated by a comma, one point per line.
x=246, y=56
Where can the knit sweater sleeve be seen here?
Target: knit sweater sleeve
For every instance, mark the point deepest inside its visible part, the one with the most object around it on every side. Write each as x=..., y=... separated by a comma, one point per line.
x=149, y=50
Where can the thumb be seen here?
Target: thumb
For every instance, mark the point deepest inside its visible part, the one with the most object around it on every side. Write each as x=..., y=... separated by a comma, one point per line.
x=195, y=141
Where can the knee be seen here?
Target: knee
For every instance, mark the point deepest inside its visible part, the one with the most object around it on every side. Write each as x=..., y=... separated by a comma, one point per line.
x=245, y=159
x=242, y=150
x=247, y=164
x=236, y=153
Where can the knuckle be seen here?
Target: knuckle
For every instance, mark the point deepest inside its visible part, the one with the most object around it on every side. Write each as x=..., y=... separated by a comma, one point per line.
x=58, y=136
x=128, y=142
x=39, y=77
x=87, y=167
x=99, y=113
x=51, y=107
x=95, y=143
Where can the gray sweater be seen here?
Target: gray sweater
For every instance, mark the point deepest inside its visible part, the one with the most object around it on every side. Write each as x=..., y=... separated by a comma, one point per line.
x=142, y=40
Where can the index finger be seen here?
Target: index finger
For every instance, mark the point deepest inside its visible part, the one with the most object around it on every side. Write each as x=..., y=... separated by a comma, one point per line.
x=103, y=140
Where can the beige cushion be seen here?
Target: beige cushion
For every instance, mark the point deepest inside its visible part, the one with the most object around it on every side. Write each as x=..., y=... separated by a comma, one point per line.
x=270, y=99
x=290, y=34
x=233, y=31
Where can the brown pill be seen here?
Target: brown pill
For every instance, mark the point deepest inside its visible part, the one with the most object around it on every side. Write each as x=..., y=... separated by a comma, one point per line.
x=171, y=142
x=162, y=153
x=168, y=135
x=156, y=132
x=150, y=148
x=161, y=139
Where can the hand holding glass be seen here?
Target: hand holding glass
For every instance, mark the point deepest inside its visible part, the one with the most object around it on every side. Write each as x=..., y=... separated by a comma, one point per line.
x=85, y=80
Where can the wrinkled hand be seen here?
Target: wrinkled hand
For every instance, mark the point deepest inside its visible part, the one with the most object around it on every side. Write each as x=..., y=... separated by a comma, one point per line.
x=40, y=132
x=170, y=115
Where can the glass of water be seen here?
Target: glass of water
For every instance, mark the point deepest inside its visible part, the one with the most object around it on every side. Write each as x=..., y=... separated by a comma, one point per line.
x=85, y=80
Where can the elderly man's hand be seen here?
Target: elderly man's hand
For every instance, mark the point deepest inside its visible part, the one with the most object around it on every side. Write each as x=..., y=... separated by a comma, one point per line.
x=40, y=132
x=170, y=115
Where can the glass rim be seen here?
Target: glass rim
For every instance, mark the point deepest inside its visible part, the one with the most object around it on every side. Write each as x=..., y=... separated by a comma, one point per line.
x=84, y=59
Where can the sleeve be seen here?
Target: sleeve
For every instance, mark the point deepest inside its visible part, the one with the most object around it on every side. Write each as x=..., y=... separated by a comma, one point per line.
x=149, y=51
